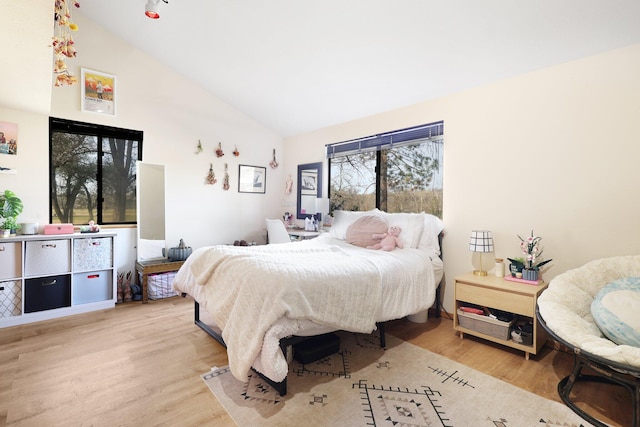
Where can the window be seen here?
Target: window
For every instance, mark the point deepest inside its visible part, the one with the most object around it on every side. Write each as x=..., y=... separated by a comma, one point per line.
x=92, y=173
x=399, y=171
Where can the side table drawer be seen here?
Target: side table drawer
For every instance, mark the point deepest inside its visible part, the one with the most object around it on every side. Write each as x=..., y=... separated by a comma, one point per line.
x=494, y=298
x=45, y=257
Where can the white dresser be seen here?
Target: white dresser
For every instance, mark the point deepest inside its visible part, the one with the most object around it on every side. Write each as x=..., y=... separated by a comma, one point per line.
x=48, y=276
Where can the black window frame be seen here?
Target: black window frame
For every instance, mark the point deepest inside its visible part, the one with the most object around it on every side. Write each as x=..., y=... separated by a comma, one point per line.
x=99, y=131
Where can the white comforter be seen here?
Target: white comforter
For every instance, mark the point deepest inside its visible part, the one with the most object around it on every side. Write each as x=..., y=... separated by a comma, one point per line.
x=258, y=295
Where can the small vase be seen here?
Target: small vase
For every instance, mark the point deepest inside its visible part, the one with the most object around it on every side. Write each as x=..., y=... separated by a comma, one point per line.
x=530, y=274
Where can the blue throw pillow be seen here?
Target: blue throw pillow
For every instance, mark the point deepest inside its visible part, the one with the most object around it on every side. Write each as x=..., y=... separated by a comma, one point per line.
x=616, y=311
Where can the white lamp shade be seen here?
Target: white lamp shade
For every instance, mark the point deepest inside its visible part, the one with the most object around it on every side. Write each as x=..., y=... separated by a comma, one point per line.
x=481, y=241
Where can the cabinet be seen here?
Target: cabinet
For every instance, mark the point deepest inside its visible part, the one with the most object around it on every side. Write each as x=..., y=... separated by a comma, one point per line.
x=47, y=276
x=499, y=294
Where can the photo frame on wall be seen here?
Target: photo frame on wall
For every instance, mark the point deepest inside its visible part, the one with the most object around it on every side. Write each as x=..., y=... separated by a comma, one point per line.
x=252, y=179
x=98, y=92
x=309, y=182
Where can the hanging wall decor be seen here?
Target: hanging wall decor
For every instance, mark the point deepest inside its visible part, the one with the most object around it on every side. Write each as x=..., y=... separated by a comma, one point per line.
x=98, y=92
x=225, y=183
x=211, y=176
x=236, y=152
x=219, y=152
x=288, y=185
x=273, y=163
x=199, y=147
x=63, y=44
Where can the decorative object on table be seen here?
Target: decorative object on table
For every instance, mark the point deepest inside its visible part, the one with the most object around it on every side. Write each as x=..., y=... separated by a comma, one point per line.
x=10, y=207
x=63, y=44
x=273, y=163
x=180, y=252
x=499, y=270
x=91, y=228
x=199, y=147
x=211, y=176
x=530, y=266
x=225, y=181
x=236, y=152
x=252, y=179
x=8, y=138
x=219, y=152
x=481, y=242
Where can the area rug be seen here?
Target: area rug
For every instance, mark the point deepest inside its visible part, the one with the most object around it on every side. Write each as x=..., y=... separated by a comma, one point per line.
x=404, y=385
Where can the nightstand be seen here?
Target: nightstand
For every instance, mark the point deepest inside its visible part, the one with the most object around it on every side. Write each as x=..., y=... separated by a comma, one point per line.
x=499, y=294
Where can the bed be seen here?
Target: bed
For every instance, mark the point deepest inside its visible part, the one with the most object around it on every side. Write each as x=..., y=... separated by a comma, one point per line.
x=259, y=300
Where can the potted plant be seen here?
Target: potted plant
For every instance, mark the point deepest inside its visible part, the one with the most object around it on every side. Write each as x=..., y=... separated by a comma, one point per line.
x=10, y=207
x=532, y=251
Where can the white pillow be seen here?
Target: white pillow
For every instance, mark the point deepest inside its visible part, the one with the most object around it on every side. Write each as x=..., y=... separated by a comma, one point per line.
x=432, y=227
x=411, y=225
x=615, y=311
x=343, y=219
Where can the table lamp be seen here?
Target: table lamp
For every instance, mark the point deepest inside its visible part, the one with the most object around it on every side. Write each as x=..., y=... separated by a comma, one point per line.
x=482, y=242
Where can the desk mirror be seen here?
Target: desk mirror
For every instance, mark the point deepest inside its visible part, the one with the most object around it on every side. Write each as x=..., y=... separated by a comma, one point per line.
x=309, y=188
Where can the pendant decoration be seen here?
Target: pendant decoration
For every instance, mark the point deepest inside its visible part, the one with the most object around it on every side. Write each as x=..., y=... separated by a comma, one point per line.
x=199, y=147
x=288, y=185
x=236, y=152
x=219, y=151
x=211, y=177
x=273, y=163
x=225, y=183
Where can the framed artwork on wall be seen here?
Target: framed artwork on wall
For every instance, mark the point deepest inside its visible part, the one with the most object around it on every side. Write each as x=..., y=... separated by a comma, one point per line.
x=252, y=179
x=98, y=92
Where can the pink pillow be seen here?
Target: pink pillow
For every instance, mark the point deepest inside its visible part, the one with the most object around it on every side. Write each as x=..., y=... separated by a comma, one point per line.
x=361, y=231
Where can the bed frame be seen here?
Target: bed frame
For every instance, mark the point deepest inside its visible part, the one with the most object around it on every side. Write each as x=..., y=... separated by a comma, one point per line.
x=281, y=387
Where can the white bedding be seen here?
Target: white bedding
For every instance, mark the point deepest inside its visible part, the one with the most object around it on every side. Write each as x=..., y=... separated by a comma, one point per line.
x=258, y=295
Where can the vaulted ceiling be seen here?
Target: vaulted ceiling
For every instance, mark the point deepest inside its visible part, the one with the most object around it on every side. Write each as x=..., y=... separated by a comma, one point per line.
x=300, y=65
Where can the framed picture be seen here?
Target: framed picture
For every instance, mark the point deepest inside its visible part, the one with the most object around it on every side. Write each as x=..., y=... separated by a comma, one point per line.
x=309, y=182
x=98, y=92
x=252, y=179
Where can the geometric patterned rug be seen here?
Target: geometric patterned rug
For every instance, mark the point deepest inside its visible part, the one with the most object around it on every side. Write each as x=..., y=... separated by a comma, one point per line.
x=402, y=385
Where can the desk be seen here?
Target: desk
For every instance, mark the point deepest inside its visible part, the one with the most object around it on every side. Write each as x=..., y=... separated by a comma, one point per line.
x=303, y=234
x=144, y=268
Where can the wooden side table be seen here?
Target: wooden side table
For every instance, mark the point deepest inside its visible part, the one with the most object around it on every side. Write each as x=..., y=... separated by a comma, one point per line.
x=145, y=268
x=497, y=293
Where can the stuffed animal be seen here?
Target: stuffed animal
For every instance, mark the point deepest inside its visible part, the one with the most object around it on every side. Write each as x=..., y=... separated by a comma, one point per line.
x=389, y=240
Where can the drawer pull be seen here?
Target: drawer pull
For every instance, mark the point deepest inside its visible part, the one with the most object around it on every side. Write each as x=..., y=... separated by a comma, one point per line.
x=93, y=276
x=50, y=245
x=95, y=243
x=49, y=283
x=2, y=248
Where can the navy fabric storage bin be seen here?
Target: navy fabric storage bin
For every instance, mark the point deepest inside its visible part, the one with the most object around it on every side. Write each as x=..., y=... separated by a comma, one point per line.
x=46, y=293
x=316, y=348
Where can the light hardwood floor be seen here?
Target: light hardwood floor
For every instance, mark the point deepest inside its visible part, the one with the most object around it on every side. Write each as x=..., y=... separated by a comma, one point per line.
x=140, y=365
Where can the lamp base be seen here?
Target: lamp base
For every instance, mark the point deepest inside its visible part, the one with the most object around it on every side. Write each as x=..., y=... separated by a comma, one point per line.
x=479, y=273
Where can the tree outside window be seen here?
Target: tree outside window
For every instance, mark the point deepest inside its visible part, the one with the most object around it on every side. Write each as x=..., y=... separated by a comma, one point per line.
x=93, y=173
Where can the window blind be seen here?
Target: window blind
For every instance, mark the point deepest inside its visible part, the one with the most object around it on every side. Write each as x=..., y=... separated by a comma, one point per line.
x=384, y=141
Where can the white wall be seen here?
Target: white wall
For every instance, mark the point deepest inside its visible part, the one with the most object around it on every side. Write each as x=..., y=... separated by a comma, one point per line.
x=555, y=151
x=174, y=115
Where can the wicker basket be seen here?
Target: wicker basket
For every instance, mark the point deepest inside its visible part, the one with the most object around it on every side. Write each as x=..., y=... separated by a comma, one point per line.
x=159, y=285
x=485, y=324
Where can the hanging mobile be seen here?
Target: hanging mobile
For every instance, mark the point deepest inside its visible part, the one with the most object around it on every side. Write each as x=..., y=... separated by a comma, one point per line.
x=211, y=177
x=273, y=163
x=219, y=151
x=225, y=183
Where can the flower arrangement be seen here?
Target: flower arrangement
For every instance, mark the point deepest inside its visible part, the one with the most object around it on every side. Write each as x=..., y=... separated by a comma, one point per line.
x=63, y=44
x=532, y=251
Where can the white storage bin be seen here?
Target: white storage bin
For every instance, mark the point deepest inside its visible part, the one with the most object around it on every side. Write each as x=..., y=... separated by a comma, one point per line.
x=45, y=257
x=11, y=298
x=92, y=287
x=92, y=253
x=159, y=285
x=10, y=260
